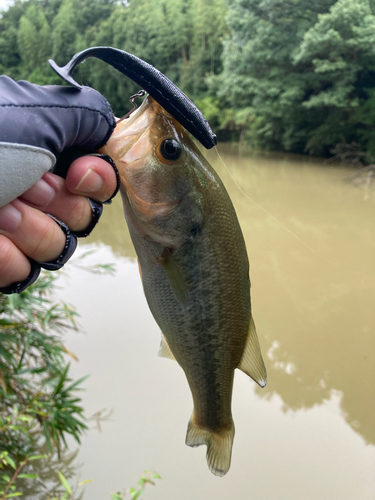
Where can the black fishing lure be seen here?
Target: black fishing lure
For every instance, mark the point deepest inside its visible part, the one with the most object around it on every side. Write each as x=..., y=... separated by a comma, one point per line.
x=166, y=93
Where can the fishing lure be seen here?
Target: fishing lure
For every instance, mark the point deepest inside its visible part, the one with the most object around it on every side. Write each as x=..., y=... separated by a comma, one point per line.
x=155, y=83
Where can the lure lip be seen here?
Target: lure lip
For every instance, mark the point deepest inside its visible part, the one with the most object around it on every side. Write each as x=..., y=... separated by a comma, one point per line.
x=155, y=83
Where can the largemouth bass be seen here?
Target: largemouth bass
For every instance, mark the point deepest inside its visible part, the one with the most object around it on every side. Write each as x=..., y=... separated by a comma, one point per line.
x=194, y=267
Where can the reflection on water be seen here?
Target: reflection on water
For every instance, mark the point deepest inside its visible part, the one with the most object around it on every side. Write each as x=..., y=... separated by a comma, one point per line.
x=47, y=485
x=313, y=306
x=319, y=330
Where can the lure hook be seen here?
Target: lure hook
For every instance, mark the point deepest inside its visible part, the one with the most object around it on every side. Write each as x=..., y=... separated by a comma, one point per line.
x=141, y=93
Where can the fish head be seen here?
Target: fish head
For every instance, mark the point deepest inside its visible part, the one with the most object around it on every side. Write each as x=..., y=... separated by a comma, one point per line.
x=155, y=158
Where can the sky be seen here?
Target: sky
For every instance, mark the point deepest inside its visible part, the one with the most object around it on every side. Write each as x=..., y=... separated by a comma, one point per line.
x=5, y=3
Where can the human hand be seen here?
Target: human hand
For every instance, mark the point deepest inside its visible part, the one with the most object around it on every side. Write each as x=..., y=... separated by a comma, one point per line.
x=57, y=121
x=26, y=230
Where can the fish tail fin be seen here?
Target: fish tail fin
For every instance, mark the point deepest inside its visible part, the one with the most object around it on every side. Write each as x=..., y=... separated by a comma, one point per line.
x=219, y=445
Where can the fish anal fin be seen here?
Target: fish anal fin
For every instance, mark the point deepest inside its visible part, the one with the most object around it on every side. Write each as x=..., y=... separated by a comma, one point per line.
x=252, y=362
x=139, y=268
x=219, y=445
x=173, y=274
x=165, y=350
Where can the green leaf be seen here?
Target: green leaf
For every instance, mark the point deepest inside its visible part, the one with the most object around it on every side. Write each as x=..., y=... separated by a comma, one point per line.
x=137, y=494
x=77, y=382
x=28, y=476
x=6, y=322
x=12, y=495
x=61, y=381
x=85, y=481
x=37, y=457
x=64, y=482
x=142, y=480
x=10, y=462
x=46, y=435
x=24, y=418
x=116, y=496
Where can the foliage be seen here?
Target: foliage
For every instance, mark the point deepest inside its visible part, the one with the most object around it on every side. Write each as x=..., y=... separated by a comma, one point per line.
x=33, y=40
x=340, y=47
x=304, y=70
x=38, y=405
x=37, y=397
x=259, y=72
x=136, y=493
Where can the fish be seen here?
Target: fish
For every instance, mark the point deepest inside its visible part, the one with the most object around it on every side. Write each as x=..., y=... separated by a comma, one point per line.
x=193, y=265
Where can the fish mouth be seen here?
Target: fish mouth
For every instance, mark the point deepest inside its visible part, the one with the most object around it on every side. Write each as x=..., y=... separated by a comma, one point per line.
x=129, y=130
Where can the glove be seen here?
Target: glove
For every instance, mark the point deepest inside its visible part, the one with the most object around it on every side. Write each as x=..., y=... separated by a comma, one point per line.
x=43, y=124
x=45, y=128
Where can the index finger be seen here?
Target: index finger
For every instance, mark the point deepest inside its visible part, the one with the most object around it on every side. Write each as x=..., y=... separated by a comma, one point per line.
x=93, y=177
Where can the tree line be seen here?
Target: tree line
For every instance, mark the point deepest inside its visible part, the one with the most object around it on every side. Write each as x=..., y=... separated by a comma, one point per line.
x=291, y=75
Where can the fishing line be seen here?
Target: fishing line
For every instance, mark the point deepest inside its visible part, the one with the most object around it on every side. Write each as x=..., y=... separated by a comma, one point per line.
x=273, y=217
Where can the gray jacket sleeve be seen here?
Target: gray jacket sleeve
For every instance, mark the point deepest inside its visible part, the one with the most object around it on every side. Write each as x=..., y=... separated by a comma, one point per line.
x=44, y=128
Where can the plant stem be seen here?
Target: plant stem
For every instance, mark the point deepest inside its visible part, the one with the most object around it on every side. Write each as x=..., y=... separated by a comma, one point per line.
x=15, y=475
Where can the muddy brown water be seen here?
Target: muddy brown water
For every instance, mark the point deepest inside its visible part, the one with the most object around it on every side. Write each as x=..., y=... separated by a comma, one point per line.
x=310, y=434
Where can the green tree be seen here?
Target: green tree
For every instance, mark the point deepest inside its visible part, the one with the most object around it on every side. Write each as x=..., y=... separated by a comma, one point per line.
x=299, y=74
x=9, y=56
x=33, y=31
x=340, y=48
x=64, y=33
x=33, y=39
x=209, y=28
x=261, y=81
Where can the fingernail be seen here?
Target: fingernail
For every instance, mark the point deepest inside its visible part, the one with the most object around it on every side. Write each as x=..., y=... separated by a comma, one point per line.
x=10, y=218
x=40, y=194
x=90, y=182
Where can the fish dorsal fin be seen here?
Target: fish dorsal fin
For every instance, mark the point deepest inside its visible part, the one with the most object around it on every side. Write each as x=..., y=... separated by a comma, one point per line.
x=173, y=274
x=165, y=350
x=252, y=362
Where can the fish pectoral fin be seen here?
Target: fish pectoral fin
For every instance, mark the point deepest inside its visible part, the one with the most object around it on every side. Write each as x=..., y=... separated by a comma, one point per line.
x=219, y=445
x=165, y=350
x=252, y=362
x=174, y=275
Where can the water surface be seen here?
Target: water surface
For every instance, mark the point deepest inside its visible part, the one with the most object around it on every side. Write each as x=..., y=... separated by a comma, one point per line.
x=310, y=434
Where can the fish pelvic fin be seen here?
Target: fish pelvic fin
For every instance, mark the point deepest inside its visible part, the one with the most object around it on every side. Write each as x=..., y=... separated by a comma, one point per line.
x=219, y=445
x=252, y=362
x=165, y=350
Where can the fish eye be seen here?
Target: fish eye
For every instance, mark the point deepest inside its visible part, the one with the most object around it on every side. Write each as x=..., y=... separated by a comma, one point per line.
x=170, y=149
